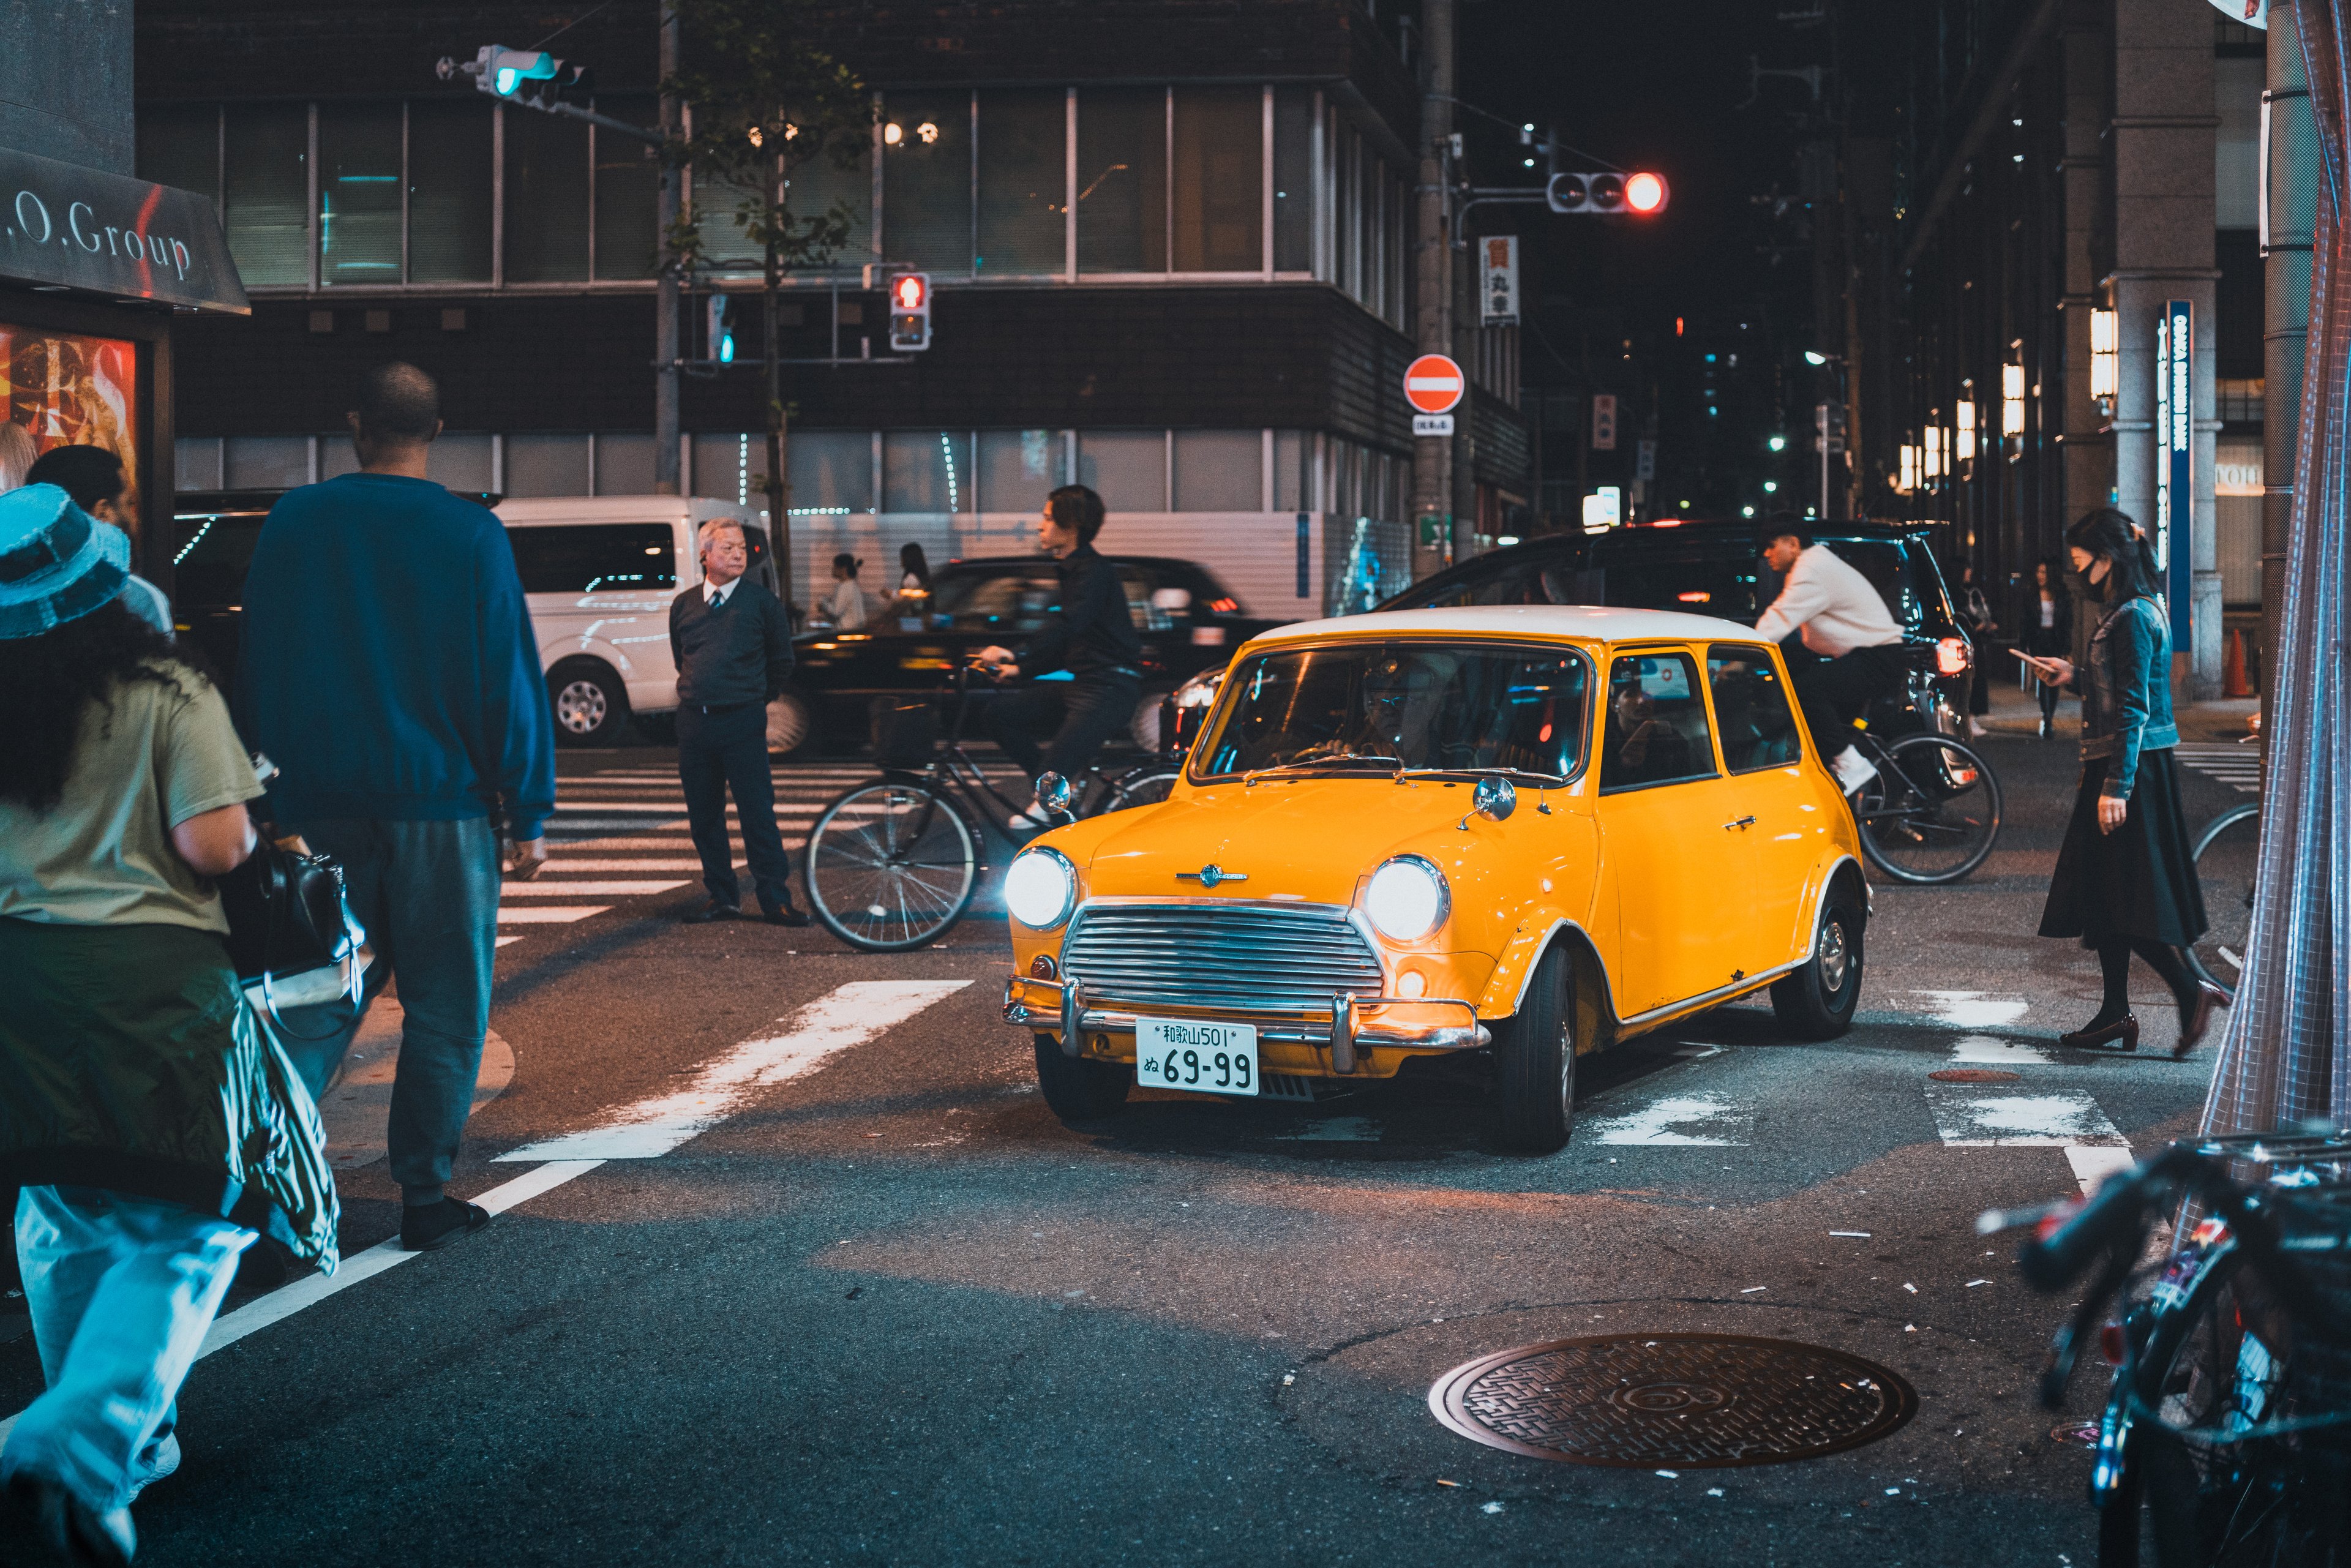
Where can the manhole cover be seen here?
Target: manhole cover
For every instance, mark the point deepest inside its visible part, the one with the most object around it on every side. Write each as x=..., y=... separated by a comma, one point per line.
x=1706, y=1401
x=1973, y=1075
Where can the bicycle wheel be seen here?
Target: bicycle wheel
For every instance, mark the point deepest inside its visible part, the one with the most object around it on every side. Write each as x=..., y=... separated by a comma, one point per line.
x=1932, y=813
x=891, y=865
x=2181, y=1501
x=2226, y=852
x=1144, y=785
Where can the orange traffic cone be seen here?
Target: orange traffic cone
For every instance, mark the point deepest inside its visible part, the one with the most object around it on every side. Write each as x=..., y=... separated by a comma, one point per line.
x=2233, y=666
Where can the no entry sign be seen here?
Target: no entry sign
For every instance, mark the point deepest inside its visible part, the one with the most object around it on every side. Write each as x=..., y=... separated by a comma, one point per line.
x=1433, y=384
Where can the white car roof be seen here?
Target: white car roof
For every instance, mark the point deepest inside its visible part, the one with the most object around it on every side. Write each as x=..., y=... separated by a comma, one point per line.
x=1589, y=623
x=538, y=510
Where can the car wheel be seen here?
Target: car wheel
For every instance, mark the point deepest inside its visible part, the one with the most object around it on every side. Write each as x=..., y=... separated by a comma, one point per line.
x=789, y=724
x=1145, y=728
x=1817, y=1001
x=1077, y=1088
x=1534, y=1062
x=591, y=705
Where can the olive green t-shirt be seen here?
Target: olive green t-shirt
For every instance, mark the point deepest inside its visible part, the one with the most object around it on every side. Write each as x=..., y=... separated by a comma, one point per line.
x=152, y=756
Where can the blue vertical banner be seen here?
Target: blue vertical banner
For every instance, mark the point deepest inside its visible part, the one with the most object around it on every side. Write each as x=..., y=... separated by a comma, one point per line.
x=2175, y=457
x=1305, y=579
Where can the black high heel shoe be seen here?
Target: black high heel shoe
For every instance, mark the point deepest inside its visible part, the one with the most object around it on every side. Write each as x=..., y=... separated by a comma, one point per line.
x=2125, y=1028
x=2196, y=1015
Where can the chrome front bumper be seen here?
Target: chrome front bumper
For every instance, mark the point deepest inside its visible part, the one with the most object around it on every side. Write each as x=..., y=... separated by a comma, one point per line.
x=1031, y=1003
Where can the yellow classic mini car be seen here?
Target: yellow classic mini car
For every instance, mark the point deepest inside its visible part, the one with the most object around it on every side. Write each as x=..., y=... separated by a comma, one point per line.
x=1528, y=831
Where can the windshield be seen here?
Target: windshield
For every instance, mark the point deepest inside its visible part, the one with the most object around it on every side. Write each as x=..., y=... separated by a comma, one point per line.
x=1376, y=706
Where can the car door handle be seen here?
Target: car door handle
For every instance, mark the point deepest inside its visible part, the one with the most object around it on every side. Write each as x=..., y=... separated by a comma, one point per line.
x=1742, y=822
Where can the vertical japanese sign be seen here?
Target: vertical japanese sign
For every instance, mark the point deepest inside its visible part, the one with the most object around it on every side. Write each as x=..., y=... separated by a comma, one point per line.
x=1499, y=294
x=2175, y=453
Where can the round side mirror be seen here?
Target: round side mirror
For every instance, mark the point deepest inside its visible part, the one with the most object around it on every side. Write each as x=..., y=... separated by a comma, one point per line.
x=1053, y=791
x=1494, y=799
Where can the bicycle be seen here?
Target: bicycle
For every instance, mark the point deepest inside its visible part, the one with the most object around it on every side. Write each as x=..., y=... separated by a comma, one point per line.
x=894, y=864
x=2226, y=1437
x=1932, y=813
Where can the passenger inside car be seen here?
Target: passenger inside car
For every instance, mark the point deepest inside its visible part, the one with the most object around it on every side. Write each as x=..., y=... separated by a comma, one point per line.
x=1656, y=725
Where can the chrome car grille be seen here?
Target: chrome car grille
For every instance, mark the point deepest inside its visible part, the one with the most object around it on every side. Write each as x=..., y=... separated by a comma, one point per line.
x=1277, y=958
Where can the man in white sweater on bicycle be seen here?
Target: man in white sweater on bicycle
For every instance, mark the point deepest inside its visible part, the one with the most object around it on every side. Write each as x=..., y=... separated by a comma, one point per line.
x=1842, y=619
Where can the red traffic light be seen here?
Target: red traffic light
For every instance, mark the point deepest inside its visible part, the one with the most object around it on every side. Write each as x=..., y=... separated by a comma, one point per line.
x=1644, y=193
x=911, y=291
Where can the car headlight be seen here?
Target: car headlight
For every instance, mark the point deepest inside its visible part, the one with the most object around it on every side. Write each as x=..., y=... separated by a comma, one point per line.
x=1407, y=898
x=1040, y=888
x=1200, y=690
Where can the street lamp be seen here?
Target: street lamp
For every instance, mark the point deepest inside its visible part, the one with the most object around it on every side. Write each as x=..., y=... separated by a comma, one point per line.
x=1813, y=356
x=1778, y=444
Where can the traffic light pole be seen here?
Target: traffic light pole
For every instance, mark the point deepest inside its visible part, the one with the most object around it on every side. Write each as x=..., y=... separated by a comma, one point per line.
x=1434, y=524
x=665, y=290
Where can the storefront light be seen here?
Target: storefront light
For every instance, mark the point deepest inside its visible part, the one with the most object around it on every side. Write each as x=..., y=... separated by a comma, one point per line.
x=1966, y=413
x=1906, y=472
x=2104, y=339
x=2011, y=399
x=1932, y=466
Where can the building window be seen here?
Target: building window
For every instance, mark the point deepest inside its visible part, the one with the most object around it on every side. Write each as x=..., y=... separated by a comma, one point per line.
x=359, y=194
x=1294, y=179
x=1219, y=471
x=543, y=465
x=1220, y=196
x=927, y=471
x=450, y=190
x=830, y=471
x=1018, y=468
x=824, y=183
x=1128, y=468
x=265, y=190
x=627, y=178
x=1023, y=177
x=1122, y=195
x=623, y=463
x=546, y=197
x=1293, y=471
x=926, y=176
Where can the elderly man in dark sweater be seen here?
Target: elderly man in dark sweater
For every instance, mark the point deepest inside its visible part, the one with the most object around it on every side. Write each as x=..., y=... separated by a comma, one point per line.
x=733, y=644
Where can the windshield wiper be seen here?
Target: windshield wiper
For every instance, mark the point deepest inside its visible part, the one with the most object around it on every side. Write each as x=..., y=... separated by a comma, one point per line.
x=1547, y=781
x=1325, y=761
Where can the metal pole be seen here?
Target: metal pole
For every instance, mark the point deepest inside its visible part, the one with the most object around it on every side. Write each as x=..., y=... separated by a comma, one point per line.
x=1432, y=465
x=2289, y=211
x=1820, y=440
x=665, y=292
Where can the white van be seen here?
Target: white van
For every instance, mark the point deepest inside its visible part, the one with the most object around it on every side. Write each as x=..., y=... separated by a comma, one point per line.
x=600, y=573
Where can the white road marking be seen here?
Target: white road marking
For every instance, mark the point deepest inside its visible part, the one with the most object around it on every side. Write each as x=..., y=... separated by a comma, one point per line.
x=1972, y=1010
x=1725, y=1126
x=2094, y=1163
x=503, y=941
x=565, y=863
x=1990, y=1050
x=584, y=889
x=1972, y=1119
x=550, y=915
x=850, y=1015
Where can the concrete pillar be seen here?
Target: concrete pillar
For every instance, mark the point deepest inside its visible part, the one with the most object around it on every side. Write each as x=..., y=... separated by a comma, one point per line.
x=2089, y=449
x=2293, y=209
x=2163, y=132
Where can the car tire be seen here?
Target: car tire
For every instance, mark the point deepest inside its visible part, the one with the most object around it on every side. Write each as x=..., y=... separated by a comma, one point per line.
x=1534, y=1062
x=1817, y=1001
x=591, y=705
x=1077, y=1088
x=791, y=722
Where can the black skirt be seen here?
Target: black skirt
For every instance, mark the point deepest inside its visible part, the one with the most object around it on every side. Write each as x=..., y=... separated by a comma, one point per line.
x=2137, y=880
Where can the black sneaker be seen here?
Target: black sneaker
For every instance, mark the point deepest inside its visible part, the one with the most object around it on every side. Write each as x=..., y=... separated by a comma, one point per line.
x=432, y=1226
x=787, y=915
x=714, y=910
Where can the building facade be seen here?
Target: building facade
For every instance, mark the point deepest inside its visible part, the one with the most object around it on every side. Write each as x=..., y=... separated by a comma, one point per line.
x=1170, y=246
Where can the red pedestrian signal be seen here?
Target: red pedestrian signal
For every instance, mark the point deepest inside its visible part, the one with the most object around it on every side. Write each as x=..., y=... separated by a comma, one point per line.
x=910, y=312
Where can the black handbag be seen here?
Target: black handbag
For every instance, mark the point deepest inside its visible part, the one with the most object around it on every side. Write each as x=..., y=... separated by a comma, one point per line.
x=292, y=938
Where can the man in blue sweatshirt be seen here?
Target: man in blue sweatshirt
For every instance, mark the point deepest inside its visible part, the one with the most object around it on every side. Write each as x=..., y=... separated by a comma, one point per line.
x=389, y=670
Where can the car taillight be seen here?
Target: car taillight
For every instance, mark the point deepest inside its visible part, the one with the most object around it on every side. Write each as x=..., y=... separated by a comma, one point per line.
x=1952, y=657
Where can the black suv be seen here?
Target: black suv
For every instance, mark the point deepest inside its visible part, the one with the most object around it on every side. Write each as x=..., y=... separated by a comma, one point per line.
x=1188, y=620
x=1715, y=568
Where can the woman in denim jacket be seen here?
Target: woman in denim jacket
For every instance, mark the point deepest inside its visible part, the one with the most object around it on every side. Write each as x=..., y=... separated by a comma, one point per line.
x=2126, y=879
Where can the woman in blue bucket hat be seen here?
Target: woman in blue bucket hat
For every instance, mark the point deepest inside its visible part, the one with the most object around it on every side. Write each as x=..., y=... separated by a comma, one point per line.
x=155, y=1127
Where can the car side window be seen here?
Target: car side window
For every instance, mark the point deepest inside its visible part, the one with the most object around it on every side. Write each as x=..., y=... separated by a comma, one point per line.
x=1000, y=601
x=594, y=558
x=1657, y=730
x=1752, y=708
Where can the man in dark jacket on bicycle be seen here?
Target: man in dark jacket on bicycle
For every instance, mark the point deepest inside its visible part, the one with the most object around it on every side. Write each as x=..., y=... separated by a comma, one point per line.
x=1091, y=634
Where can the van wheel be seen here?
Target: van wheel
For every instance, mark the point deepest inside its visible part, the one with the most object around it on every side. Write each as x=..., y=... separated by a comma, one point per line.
x=1817, y=1001
x=591, y=705
x=1079, y=1088
x=791, y=722
x=1534, y=1062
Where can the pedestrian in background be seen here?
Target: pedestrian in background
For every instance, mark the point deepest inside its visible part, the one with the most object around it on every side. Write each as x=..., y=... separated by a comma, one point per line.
x=391, y=671
x=913, y=587
x=154, y=1128
x=1975, y=613
x=847, y=604
x=2049, y=630
x=733, y=649
x=94, y=477
x=1092, y=634
x=2126, y=877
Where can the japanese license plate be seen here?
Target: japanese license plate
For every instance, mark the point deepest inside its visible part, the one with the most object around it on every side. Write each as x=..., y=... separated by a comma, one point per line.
x=1186, y=1053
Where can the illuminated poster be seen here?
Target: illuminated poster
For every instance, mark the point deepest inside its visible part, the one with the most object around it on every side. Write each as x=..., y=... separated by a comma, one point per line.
x=66, y=389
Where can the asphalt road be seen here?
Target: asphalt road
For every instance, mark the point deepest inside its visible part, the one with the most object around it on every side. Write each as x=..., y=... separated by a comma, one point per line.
x=841, y=1291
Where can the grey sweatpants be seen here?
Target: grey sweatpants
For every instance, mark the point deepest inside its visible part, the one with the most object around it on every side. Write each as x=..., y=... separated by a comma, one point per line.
x=428, y=894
